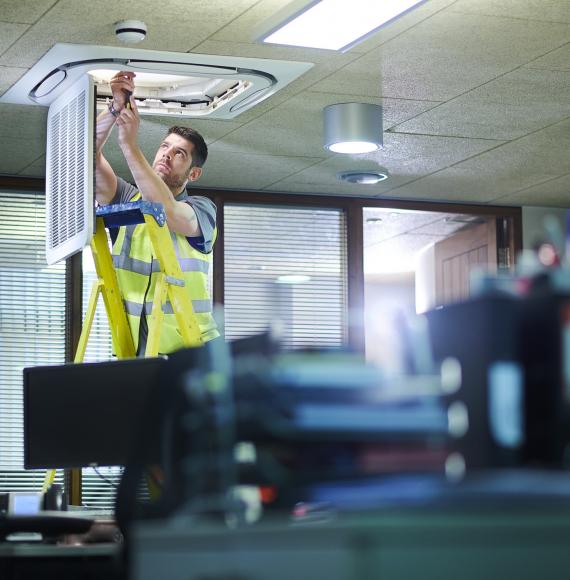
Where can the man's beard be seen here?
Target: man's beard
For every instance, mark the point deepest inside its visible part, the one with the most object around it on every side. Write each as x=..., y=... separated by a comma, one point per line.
x=174, y=182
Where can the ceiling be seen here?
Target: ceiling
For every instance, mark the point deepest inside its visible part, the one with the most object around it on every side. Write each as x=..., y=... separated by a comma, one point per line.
x=476, y=96
x=392, y=239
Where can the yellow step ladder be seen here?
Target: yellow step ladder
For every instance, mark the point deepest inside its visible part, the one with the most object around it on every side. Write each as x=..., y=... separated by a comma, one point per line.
x=170, y=285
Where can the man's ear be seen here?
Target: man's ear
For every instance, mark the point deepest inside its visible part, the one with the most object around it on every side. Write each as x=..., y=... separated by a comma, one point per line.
x=195, y=173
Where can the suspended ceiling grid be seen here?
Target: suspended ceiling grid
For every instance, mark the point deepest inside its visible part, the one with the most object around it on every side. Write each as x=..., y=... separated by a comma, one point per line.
x=476, y=96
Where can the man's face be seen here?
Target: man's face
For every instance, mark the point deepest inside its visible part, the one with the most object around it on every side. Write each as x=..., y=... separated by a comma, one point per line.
x=173, y=161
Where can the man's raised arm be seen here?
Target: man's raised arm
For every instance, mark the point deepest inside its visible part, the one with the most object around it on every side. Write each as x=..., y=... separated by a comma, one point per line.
x=105, y=179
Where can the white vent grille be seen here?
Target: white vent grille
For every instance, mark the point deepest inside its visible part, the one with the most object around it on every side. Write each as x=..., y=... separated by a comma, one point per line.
x=69, y=172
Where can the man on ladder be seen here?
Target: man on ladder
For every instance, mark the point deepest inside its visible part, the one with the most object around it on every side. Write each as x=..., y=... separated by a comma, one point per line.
x=190, y=219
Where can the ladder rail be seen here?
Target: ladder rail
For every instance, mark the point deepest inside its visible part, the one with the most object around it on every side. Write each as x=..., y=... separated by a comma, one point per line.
x=170, y=285
x=181, y=304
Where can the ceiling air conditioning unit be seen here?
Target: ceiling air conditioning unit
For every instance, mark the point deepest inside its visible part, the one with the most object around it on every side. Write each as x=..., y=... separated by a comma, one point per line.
x=73, y=79
x=168, y=83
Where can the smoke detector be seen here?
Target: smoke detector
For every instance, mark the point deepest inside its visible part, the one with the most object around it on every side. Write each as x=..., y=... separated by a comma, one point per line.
x=168, y=83
x=130, y=31
x=364, y=177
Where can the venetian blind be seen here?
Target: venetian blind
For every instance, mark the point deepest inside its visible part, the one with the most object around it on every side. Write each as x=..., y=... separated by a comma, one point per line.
x=32, y=324
x=98, y=486
x=286, y=264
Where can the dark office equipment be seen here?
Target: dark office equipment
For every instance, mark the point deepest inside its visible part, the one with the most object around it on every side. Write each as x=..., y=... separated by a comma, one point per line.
x=515, y=357
x=29, y=561
x=76, y=415
x=50, y=525
x=484, y=335
x=312, y=417
x=545, y=337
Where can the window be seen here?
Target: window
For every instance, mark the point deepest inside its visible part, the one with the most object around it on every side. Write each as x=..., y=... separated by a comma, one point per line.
x=32, y=324
x=286, y=263
x=98, y=487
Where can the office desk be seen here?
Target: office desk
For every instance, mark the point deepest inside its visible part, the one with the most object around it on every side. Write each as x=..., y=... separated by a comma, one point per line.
x=429, y=545
x=33, y=561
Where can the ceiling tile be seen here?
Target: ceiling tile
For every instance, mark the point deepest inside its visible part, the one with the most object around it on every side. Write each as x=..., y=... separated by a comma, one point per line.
x=504, y=64
x=554, y=192
x=525, y=86
x=25, y=11
x=233, y=171
x=9, y=33
x=447, y=55
x=151, y=133
x=338, y=188
x=447, y=224
x=8, y=76
x=518, y=103
x=429, y=154
x=555, y=60
x=154, y=128
x=398, y=110
x=397, y=252
x=23, y=121
x=85, y=25
x=278, y=130
x=394, y=223
x=544, y=151
x=420, y=154
x=36, y=169
x=15, y=155
x=510, y=167
x=545, y=10
x=478, y=185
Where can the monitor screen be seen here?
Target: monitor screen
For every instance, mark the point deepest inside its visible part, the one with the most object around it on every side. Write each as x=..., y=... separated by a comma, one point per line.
x=76, y=415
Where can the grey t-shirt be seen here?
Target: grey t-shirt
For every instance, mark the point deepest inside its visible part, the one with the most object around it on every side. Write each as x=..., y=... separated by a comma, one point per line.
x=204, y=208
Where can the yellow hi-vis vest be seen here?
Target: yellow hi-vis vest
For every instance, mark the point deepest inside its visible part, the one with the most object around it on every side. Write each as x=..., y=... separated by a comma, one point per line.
x=137, y=272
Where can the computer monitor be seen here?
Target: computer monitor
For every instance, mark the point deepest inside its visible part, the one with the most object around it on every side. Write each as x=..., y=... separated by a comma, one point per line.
x=76, y=415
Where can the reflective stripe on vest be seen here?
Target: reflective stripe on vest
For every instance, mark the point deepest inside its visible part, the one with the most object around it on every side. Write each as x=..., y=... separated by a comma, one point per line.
x=137, y=271
x=135, y=309
x=144, y=268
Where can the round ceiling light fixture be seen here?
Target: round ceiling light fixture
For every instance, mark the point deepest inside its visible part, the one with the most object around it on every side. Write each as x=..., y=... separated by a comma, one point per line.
x=130, y=31
x=353, y=128
x=364, y=177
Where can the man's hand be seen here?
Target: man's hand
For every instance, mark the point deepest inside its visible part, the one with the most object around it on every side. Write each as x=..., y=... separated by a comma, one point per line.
x=122, y=86
x=128, y=124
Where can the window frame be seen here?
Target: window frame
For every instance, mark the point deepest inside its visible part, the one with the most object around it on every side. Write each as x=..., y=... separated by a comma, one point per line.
x=353, y=208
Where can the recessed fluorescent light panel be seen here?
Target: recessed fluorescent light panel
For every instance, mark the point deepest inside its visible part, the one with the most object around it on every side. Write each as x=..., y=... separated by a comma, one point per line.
x=333, y=24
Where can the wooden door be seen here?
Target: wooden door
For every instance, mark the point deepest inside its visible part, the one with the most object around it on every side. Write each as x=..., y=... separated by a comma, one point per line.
x=457, y=255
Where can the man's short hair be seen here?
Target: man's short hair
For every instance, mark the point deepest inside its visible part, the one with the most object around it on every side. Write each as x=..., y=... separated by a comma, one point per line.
x=200, y=153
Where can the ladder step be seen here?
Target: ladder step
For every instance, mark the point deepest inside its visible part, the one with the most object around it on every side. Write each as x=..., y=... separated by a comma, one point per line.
x=123, y=214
